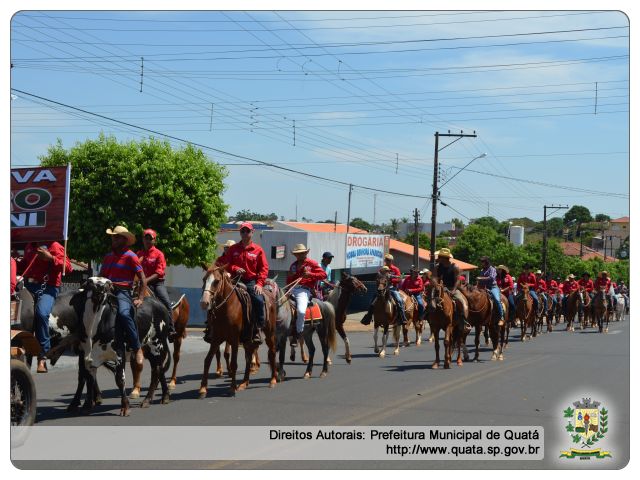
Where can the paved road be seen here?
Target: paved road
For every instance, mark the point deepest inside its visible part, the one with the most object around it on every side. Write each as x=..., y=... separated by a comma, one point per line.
x=535, y=382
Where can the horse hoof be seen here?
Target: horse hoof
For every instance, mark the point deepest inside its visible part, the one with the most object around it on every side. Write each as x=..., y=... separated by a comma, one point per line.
x=459, y=362
x=171, y=385
x=305, y=359
x=501, y=357
x=145, y=403
x=99, y=401
x=406, y=344
x=272, y=383
x=329, y=361
x=219, y=373
x=242, y=386
x=435, y=366
x=606, y=330
x=381, y=354
x=348, y=359
x=418, y=342
x=165, y=400
x=476, y=360
x=447, y=366
x=323, y=374
x=202, y=394
x=73, y=408
x=135, y=393
x=376, y=350
x=306, y=375
x=396, y=352
x=494, y=357
x=124, y=412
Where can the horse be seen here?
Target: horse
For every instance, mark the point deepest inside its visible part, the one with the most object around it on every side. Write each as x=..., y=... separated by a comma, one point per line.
x=575, y=300
x=180, y=318
x=586, y=312
x=441, y=313
x=415, y=320
x=481, y=312
x=556, y=309
x=526, y=313
x=284, y=319
x=340, y=297
x=384, y=315
x=600, y=310
x=225, y=319
x=619, y=309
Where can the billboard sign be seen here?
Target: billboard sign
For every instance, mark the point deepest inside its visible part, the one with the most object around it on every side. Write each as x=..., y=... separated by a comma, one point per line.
x=365, y=250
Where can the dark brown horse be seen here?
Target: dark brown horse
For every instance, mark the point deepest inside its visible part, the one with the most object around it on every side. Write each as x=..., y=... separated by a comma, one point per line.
x=526, y=313
x=441, y=309
x=574, y=302
x=340, y=297
x=481, y=312
x=384, y=314
x=600, y=310
x=180, y=316
x=221, y=299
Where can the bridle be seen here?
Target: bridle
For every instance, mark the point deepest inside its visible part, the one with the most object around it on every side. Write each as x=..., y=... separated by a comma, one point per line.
x=222, y=283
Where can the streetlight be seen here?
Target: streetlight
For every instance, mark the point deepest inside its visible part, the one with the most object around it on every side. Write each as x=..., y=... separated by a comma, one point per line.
x=482, y=155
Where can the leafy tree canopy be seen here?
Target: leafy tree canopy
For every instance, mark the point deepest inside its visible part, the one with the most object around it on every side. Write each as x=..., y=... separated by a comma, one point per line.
x=601, y=217
x=578, y=214
x=244, y=215
x=142, y=184
x=488, y=221
x=362, y=224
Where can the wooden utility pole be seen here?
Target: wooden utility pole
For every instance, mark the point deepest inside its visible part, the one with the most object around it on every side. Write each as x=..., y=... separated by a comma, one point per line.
x=416, y=243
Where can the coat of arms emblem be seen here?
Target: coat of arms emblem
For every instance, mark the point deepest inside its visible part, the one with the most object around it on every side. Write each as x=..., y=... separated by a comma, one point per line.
x=587, y=423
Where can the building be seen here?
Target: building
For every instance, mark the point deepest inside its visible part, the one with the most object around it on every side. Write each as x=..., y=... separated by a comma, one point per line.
x=573, y=249
x=611, y=239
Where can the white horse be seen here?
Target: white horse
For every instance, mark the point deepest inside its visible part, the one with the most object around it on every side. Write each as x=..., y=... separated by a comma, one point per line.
x=619, y=311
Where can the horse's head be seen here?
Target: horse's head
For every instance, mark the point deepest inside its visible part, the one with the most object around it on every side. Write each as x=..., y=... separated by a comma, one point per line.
x=352, y=283
x=382, y=284
x=601, y=294
x=97, y=290
x=436, y=292
x=212, y=285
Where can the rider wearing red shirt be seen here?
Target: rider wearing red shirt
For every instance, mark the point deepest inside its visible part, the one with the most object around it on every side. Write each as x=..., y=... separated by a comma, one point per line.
x=604, y=282
x=505, y=284
x=528, y=278
x=568, y=287
x=395, y=276
x=413, y=285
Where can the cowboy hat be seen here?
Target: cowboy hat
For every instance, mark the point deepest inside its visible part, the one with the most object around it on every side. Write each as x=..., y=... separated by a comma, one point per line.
x=444, y=253
x=388, y=256
x=120, y=230
x=300, y=248
x=502, y=267
x=425, y=271
x=228, y=243
x=538, y=272
x=571, y=275
x=384, y=268
x=604, y=272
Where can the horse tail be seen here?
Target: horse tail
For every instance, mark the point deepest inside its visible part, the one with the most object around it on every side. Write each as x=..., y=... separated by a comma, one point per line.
x=329, y=323
x=167, y=356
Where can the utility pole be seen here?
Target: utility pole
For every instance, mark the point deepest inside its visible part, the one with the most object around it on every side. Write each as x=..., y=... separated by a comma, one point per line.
x=435, y=193
x=544, y=236
x=375, y=198
x=349, y=208
x=416, y=243
x=335, y=222
x=581, y=244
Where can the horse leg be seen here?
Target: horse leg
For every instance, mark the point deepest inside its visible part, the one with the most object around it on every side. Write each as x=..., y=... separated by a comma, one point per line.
x=90, y=376
x=75, y=402
x=249, y=353
x=476, y=357
x=486, y=335
x=447, y=346
x=213, y=348
x=136, y=372
x=303, y=356
x=375, y=340
x=177, y=344
x=419, y=326
x=436, y=343
x=282, y=346
x=396, y=337
x=227, y=355
x=163, y=381
x=124, y=400
x=308, y=339
x=255, y=362
x=345, y=339
x=405, y=334
x=385, y=338
x=153, y=384
x=324, y=344
x=270, y=340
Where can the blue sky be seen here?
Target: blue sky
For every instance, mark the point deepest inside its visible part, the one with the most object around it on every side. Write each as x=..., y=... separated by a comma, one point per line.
x=366, y=89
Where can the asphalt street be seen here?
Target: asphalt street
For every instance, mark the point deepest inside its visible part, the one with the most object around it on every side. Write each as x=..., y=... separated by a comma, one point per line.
x=534, y=383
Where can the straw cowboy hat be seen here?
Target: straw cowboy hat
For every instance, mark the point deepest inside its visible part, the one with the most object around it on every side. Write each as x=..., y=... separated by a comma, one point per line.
x=300, y=248
x=229, y=243
x=604, y=272
x=388, y=256
x=120, y=230
x=502, y=267
x=571, y=275
x=385, y=268
x=444, y=253
x=538, y=272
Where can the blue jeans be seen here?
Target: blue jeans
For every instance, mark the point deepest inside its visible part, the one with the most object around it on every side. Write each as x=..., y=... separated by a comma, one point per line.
x=44, y=304
x=495, y=293
x=160, y=291
x=125, y=324
x=398, y=299
x=420, y=302
x=257, y=304
x=534, y=296
x=512, y=305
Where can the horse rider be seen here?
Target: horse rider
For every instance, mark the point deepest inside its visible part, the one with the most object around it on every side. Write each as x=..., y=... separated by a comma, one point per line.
x=624, y=291
x=552, y=288
x=395, y=276
x=224, y=259
x=568, y=287
x=41, y=268
x=505, y=284
x=413, y=285
x=541, y=289
x=154, y=266
x=326, y=285
x=309, y=272
x=603, y=281
x=528, y=278
x=425, y=274
x=463, y=281
x=449, y=273
x=122, y=267
x=248, y=260
x=487, y=279
x=586, y=283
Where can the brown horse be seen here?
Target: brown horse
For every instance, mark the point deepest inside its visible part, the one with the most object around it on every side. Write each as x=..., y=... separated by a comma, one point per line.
x=441, y=309
x=416, y=321
x=526, y=313
x=574, y=302
x=180, y=316
x=586, y=314
x=221, y=299
x=340, y=297
x=600, y=310
x=384, y=315
x=543, y=302
x=481, y=312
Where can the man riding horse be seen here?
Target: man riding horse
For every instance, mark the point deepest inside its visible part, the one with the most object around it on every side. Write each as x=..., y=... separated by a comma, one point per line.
x=248, y=260
x=224, y=258
x=413, y=285
x=395, y=276
x=604, y=282
x=528, y=278
x=505, y=284
x=307, y=272
x=325, y=286
x=568, y=287
x=449, y=273
x=541, y=290
x=487, y=279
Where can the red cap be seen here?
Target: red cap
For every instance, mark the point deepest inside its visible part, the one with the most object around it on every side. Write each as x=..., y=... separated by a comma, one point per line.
x=248, y=225
x=462, y=278
x=148, y=231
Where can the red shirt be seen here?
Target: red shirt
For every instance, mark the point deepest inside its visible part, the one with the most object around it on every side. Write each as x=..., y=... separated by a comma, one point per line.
x=527, y=279
x=309, y=266
x=13, y=270
x=152, y=261
x=223, y=259
x=412, y=286
x=587, y=285
x=250, y=258
x=40, y=268
x=603, y=283
x=553, y=286
x=121, y=267
x=542, y=285
x=506, y=282
x=395, y=271
x=570, y=286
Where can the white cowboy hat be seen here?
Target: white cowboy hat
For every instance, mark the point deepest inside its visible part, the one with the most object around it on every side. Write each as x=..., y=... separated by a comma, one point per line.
x=538, y=272
x=388, y=256
x=424, y=271
x=300, y=248
x=228, y=243
x=502, y=267
x=120, y=230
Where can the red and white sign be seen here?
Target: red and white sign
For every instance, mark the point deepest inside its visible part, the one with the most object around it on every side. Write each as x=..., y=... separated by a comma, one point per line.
x=40, y=203
x=364, y=250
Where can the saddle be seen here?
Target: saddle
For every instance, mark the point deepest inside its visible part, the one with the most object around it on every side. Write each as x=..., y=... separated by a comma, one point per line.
x=313, y=310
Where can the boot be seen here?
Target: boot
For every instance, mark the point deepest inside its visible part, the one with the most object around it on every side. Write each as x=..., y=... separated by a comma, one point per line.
x=256, y=338
x=366, y=320
x=206, y=337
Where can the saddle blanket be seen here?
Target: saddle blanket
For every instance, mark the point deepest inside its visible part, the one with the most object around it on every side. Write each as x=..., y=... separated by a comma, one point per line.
x=313, y=312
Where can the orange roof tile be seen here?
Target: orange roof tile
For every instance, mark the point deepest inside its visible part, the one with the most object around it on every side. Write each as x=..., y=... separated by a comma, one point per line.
x=324, y=227
x=572, y=249
x=620, y=220
x=425, y=254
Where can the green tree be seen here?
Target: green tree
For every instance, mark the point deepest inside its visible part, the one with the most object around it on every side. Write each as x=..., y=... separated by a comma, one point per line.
x=601, y=217
x=361, y=224
x=245, y=215
x=554, y=227
x=577, y=214
x=145, y=184
x=476, y=241
x=488, y=221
